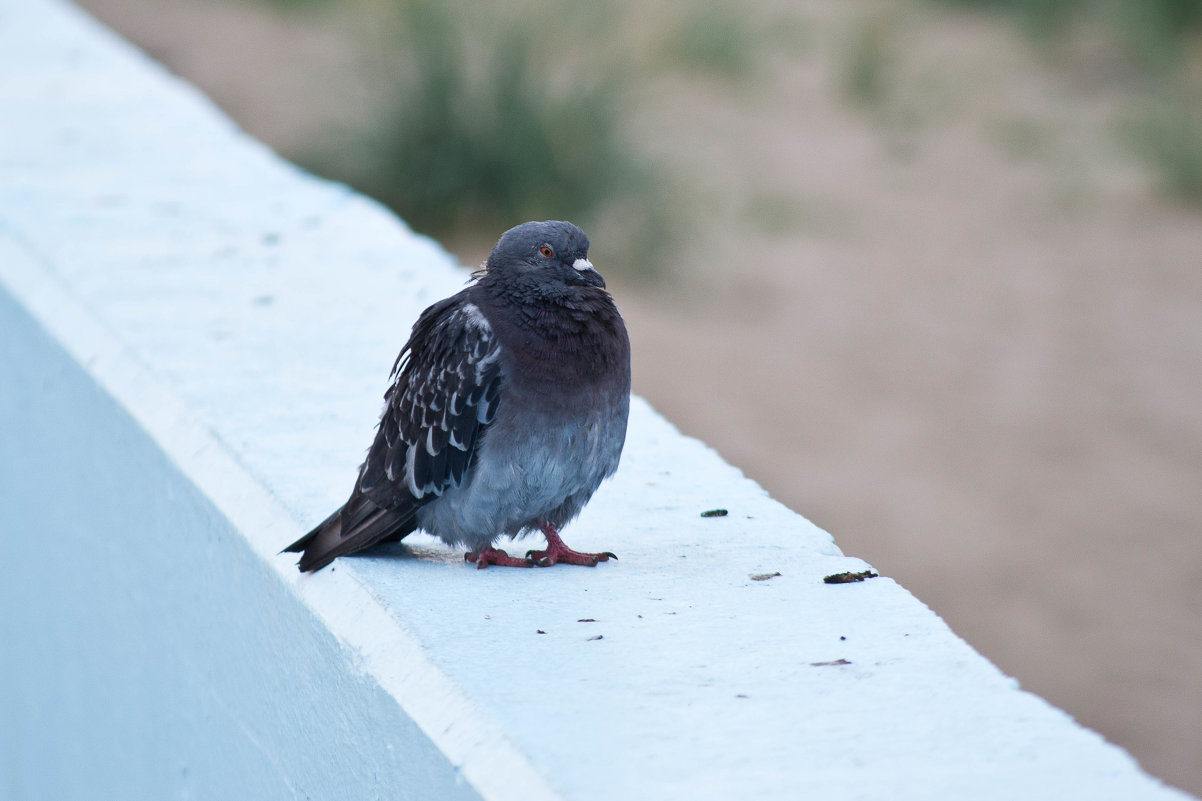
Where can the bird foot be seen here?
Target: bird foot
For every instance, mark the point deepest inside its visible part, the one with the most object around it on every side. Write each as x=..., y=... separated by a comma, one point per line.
x=495, y=556
x=557, y=552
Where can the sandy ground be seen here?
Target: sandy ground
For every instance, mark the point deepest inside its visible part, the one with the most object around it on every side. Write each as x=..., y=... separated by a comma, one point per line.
x=959, y=328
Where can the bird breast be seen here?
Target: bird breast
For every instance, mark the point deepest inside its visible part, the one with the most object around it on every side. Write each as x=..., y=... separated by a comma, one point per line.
x=531, y=468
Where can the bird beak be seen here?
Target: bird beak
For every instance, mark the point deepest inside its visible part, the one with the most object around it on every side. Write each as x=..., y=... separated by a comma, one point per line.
x=588, y=273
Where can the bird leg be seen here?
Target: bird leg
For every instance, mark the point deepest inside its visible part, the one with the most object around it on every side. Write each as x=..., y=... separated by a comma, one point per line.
x=495, y=556
x=557, y=551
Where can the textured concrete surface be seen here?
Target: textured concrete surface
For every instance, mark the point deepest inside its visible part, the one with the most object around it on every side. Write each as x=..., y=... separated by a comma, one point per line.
x=967, y=294
x=195, y=339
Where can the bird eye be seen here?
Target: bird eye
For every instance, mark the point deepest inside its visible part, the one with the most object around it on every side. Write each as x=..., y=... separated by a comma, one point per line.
x=546, y=251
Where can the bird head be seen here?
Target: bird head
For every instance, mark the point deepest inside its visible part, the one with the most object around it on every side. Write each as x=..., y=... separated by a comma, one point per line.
x=552, y=252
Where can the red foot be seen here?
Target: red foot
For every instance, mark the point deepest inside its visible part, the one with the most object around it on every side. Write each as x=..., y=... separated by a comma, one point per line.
x=495, y=556
x=558, y=552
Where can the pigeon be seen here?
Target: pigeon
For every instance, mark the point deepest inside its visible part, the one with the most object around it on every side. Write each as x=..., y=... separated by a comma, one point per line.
x=507, y=408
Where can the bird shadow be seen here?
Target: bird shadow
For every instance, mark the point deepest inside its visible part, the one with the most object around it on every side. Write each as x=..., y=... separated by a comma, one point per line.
x=410, y=552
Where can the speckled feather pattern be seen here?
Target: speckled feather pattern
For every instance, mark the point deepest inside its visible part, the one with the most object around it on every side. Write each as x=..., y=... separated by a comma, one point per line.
x=507, y=408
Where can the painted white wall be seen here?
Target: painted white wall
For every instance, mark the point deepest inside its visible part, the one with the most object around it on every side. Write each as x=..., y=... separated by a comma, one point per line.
x=194, y=340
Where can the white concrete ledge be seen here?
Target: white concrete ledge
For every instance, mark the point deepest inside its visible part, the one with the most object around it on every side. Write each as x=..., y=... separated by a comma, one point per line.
x=194, y=338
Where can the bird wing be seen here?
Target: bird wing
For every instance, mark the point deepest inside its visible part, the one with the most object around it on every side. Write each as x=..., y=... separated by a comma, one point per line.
x=444, y=393
x=447, y=381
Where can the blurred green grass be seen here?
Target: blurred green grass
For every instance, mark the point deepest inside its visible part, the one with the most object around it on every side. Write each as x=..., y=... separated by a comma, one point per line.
x=714, y=38
x=495, y=114
x=1153, y=28
x=498, y=114
x=1167, y=132
x=1161, y=42
x=869, y=59
x=497, y=128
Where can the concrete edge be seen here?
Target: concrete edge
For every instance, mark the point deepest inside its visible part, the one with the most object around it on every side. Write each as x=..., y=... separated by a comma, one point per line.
x=477, y=745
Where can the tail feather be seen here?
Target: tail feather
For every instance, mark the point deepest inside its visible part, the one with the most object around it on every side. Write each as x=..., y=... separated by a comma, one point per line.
x=356, y=525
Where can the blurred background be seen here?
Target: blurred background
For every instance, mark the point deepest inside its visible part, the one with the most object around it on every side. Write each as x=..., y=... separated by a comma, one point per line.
x=928, y=270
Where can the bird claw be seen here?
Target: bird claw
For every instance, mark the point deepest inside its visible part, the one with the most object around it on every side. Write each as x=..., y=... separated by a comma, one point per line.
x=556, y=551
x=555, y=554
x=495, y=556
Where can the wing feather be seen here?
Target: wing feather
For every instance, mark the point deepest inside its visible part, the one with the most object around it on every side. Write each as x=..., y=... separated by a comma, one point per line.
x=445, y=389
x=444, y=393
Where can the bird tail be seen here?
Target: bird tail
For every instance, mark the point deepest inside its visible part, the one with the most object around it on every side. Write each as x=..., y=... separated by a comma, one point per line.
x=356, y=525
x=318, y=541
